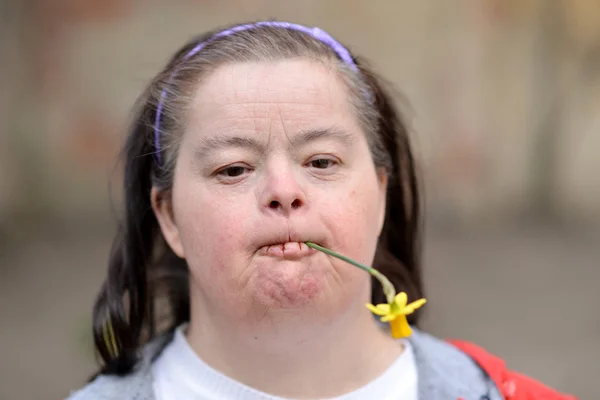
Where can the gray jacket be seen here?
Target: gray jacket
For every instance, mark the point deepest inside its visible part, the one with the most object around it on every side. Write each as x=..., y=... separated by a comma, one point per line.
x=445, y=373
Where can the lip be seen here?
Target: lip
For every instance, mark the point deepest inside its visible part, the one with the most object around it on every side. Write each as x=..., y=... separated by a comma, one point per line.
x=287, y=250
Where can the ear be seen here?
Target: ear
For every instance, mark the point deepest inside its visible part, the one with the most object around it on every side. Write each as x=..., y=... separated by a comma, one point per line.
x=382, y=180
x=162, y=206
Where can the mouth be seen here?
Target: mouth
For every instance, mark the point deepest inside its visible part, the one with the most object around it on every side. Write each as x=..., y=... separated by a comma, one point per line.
x=287, y=250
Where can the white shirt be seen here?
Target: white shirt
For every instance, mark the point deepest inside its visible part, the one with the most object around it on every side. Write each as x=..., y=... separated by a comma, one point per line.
x=180, y=374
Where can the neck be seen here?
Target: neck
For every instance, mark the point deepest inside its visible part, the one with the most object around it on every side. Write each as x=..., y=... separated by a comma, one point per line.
x=294, y=357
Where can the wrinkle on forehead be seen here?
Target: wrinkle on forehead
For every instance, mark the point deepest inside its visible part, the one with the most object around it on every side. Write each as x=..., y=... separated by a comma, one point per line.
x=248, y=96
x=261, y=82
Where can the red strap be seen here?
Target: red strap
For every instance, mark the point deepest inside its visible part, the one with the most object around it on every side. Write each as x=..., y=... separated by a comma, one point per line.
x=512, y=385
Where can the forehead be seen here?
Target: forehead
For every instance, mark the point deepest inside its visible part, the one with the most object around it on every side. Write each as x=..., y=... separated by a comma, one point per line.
x=296, y=93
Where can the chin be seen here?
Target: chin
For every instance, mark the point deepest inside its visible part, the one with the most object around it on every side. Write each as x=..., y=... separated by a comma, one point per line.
x=284, y=285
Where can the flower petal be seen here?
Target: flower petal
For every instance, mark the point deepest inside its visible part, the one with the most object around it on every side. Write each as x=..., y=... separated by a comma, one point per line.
x=384, y=308
x=380, y=309
x=409, y=309
x=388, y=317
x=401, y=299
x=400, y=328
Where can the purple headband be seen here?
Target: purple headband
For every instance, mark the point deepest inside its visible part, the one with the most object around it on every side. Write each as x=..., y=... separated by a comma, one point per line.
x=317, y=33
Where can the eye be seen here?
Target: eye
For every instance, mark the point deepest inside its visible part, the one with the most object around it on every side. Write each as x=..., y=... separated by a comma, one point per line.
x=232, y=171
x=322, y=163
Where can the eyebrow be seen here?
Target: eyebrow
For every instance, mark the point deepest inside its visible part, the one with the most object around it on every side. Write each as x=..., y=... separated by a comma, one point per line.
x=209, y=145
x=336, y=134
x=213, y=144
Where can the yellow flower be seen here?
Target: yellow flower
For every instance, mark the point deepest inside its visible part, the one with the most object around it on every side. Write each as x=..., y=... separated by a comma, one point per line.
x=396, y=312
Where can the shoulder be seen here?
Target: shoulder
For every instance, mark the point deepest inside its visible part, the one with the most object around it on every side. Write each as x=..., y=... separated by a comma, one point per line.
x=511, y=383
x=460, y=365
x=443, y=357
x=137, y=385
x=447, y=372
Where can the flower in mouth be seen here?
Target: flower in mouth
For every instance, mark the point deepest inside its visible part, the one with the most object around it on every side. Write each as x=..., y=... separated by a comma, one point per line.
x=396, y=309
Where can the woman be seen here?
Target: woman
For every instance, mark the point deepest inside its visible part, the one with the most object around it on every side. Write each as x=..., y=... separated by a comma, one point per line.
x=254, y=143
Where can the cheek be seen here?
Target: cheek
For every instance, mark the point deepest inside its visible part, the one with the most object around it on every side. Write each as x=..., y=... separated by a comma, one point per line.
x=357, y=208
x=353, y=218
x=210, y=230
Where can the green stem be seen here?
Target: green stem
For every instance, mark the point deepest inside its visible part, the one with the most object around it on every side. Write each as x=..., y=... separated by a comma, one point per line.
x=388, y=288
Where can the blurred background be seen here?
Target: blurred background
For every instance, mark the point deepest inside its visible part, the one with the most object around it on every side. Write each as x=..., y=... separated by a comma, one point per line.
x=503, y=97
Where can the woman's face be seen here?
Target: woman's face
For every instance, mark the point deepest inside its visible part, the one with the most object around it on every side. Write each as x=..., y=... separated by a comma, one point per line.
x=273, y=156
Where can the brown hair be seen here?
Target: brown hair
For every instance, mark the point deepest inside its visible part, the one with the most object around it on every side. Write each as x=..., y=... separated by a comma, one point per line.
x=145, y=276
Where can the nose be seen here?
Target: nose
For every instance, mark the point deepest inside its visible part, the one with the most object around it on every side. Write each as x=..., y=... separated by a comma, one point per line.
x=283, y=193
